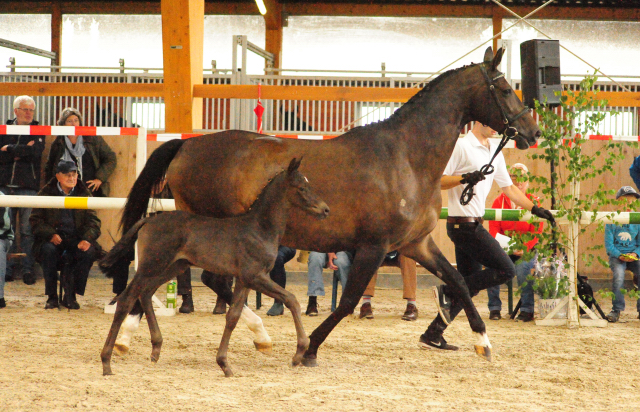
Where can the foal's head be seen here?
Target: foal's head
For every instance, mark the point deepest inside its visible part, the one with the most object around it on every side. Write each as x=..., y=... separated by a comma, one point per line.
x=299, y=192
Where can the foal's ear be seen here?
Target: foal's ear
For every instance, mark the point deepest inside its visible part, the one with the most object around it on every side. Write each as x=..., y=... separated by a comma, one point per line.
x=497, y=59
x=488, y=55
x=294, y=165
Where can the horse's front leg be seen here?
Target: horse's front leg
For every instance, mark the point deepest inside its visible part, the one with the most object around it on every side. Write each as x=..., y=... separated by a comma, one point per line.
x=240, y=294
x=219, y=285
x=365, y=264
x=154, y=329
x=429, y=255
x=263, y=283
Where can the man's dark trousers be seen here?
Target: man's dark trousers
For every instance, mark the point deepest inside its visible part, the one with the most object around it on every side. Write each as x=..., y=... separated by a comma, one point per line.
x=475, y=248
x=81, y=262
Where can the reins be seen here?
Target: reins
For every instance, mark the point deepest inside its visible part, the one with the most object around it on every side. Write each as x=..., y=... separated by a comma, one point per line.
x=509, y=132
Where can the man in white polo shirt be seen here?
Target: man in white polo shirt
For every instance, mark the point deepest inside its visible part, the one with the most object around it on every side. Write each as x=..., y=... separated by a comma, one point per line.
x=474, y=246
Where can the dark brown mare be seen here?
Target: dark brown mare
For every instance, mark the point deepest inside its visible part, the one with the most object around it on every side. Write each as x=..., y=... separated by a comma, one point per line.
x=244, y=246
x=381, y=180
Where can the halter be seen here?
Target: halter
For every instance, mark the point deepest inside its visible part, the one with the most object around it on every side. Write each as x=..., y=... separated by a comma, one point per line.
x=509, y=132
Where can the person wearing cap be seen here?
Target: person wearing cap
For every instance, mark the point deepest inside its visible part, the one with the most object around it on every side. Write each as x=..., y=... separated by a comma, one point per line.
x=72, y=233
x=92, y=155
x=479, y=257
x=622, y=243
x=504, y=230
x=20, y=156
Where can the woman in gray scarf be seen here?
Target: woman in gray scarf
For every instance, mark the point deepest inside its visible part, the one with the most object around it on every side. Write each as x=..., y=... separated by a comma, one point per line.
x=93, y=156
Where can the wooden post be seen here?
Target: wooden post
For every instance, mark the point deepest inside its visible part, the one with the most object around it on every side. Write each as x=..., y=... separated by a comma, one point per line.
x=496, y=19
x=182, y=48
x=273, y=37
x=56, y=33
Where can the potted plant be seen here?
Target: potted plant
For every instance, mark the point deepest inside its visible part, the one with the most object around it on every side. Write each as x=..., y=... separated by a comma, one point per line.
x=550, y=282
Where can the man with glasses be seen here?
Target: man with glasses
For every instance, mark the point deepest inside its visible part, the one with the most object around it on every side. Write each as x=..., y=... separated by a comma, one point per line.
x=20, y=156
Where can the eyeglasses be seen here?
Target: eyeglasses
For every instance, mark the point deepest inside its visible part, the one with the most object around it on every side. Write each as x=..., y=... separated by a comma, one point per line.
x=27, y=110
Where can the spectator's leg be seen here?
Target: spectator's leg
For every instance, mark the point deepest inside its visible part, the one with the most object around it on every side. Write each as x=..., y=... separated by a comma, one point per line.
x=495, y=303
x=13, y=212
x=343, y=262
x=26, y=239
x=370, y=291
x=4, y=248
x=279, y=276
x=83, y=262
x=366, y=310
x=184, y=290
x=617, y=267
x=523, y=269
x=316, y=262
x=634, y=267
x=49, y=262
x=409, y=278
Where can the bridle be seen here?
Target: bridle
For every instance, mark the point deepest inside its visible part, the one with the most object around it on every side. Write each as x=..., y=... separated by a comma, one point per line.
x=509, y=132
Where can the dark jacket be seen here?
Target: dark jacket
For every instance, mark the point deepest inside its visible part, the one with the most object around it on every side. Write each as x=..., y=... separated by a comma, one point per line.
x=103, y=158
x=20, y=164
x=44, y=221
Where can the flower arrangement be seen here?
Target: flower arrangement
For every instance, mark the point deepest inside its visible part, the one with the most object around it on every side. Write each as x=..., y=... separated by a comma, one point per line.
x=549, y=279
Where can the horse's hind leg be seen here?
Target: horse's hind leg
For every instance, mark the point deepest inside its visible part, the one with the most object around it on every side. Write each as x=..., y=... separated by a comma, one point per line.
x=154, y=329
x=219, y=285
x=428, y=255
x=262, y=283
x=125, y=302
x=237, y=302
x=129, y=327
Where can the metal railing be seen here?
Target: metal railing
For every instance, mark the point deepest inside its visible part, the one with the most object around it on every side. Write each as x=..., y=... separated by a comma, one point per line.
x=280, y=116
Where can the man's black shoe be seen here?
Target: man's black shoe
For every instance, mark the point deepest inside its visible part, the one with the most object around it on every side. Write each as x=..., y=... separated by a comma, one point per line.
x=3, y=304
x=494, y=315
x=8, y=278
x=437, y=342
x=187, y=304
x=29, y=278
x=443, y=302
x=525, y=316
x=52, y=302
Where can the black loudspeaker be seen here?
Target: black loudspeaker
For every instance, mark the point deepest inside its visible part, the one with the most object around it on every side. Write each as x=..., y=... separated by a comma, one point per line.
x=540, y=63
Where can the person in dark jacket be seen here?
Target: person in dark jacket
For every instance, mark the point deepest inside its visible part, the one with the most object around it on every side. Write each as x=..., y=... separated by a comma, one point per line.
x=65, y=237
x=6, y=238
x=20, y=175
x=92, y=155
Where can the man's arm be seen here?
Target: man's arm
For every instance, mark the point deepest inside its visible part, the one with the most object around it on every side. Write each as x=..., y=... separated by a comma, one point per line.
x=523, y=201
x=448, y=182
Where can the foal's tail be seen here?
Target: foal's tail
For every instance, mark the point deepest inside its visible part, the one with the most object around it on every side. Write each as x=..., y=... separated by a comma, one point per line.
x=150, y=178
x=120, y=253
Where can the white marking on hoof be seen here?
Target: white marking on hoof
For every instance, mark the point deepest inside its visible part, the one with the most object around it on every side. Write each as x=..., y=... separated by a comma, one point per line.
x=262, y=341
x=129, y=327
x=483, y=346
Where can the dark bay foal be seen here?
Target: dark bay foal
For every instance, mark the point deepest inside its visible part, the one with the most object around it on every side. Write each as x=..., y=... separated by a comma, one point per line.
x=245, y=246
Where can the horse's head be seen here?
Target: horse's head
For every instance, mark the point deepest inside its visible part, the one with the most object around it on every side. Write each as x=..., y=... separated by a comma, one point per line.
x=299, y=192
x=498, y=106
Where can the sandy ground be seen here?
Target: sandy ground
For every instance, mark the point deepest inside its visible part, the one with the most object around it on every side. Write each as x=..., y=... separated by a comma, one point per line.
x=49, y=360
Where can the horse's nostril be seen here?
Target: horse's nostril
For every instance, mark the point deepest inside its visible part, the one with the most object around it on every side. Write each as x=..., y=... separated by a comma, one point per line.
x=326, y=211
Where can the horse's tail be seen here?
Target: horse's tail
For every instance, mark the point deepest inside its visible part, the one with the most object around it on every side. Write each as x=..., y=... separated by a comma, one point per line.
x=120, y=253
x=150, y=178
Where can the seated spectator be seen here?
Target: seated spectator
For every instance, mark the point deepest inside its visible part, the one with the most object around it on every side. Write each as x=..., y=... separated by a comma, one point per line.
x=65, y=237
x=622, y=243
x=634, y=171
x=340, y=262
x=409, y=286
x=523, y=267
x=6, y=237
x=279, y=276
x=92, y=155
x=20, y=157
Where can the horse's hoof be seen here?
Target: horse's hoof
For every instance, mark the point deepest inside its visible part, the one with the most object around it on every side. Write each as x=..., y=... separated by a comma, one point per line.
x=106, y=371
x=154, y=358
x=120, y=349
x=228, y=373
x=483, y=352
x=296, y=360
x=264, y=347
x=309, y=362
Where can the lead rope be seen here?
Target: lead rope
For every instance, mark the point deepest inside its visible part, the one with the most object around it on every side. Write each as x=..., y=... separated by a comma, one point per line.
x=468, y=193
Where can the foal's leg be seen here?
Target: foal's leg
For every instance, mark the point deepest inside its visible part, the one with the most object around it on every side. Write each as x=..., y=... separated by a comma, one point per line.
x=237, y=302
x=428, y=255
x=129, y=327
x=154, y=329
x=366, y=262
x=219, y=285
x=125, y=302
x=263, y=283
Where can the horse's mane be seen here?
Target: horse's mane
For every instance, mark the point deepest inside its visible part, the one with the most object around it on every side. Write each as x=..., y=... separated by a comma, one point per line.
x=398, y=115
x=264, y=190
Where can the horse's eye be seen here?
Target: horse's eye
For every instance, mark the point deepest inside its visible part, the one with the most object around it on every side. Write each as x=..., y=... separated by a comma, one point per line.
x=506, y=92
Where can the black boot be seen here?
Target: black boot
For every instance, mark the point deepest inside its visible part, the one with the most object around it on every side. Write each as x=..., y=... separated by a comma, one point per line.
x=52, y=302
x=187, y=304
